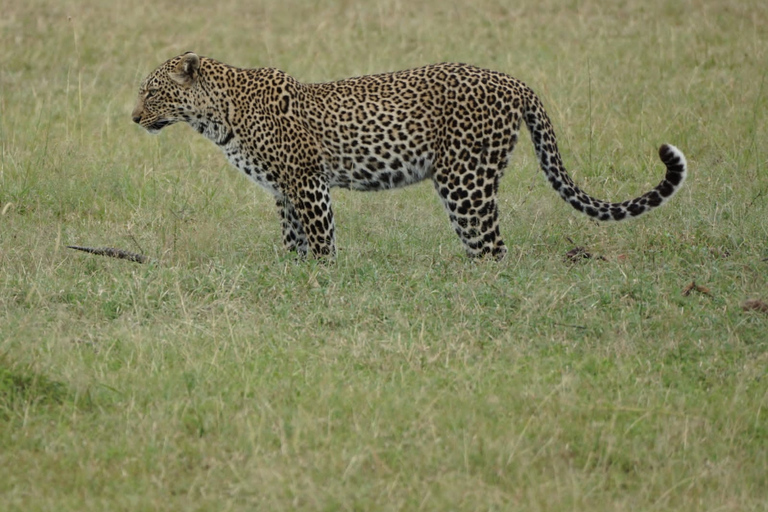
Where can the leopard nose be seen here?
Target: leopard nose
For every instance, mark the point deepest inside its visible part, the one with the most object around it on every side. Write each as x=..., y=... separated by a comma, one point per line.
x=137, y=119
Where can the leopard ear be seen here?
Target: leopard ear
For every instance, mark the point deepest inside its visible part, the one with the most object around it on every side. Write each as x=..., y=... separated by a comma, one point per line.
x=187, y=69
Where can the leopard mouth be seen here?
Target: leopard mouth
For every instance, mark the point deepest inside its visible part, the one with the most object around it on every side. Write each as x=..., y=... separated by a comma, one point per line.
x=157, y=125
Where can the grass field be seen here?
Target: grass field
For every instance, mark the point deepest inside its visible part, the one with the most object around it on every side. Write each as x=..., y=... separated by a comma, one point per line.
x=227, y=376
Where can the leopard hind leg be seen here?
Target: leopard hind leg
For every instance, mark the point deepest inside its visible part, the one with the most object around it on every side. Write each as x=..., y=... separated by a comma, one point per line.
x=470, y=198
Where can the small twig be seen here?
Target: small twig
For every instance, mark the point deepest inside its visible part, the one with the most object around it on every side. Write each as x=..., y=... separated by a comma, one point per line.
x=758, y=196
x=135, y=241
x=591, y=126
x=112, y=253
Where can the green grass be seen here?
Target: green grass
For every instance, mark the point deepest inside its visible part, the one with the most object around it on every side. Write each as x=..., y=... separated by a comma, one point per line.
x=227, y=376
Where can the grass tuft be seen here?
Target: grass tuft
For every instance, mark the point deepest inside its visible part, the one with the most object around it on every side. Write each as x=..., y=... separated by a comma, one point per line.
x=21, y=388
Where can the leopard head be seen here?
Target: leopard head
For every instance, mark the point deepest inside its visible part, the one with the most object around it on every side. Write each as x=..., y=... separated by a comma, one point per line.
x=169, y=94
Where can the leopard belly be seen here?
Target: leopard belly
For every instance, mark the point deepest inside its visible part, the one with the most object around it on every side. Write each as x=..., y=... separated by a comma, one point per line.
x=373, y=175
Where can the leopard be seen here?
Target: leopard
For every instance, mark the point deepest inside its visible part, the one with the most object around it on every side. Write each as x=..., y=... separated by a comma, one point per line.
x=454, y=124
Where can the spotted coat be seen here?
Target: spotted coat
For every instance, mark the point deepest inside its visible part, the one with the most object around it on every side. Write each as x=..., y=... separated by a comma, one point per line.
x=454, y=124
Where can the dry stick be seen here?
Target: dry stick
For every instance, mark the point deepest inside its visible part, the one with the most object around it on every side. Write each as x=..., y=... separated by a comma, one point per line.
x=112, y=253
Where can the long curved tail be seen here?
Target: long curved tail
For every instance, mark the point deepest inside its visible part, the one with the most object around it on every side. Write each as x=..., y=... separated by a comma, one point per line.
x=544, y=141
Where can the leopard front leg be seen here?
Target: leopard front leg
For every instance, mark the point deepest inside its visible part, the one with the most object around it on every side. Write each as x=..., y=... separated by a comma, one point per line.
x=294, y=238
x=311, y=199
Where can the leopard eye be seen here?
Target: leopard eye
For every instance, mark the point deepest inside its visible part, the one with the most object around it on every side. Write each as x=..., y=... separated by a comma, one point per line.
x=151, y=92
